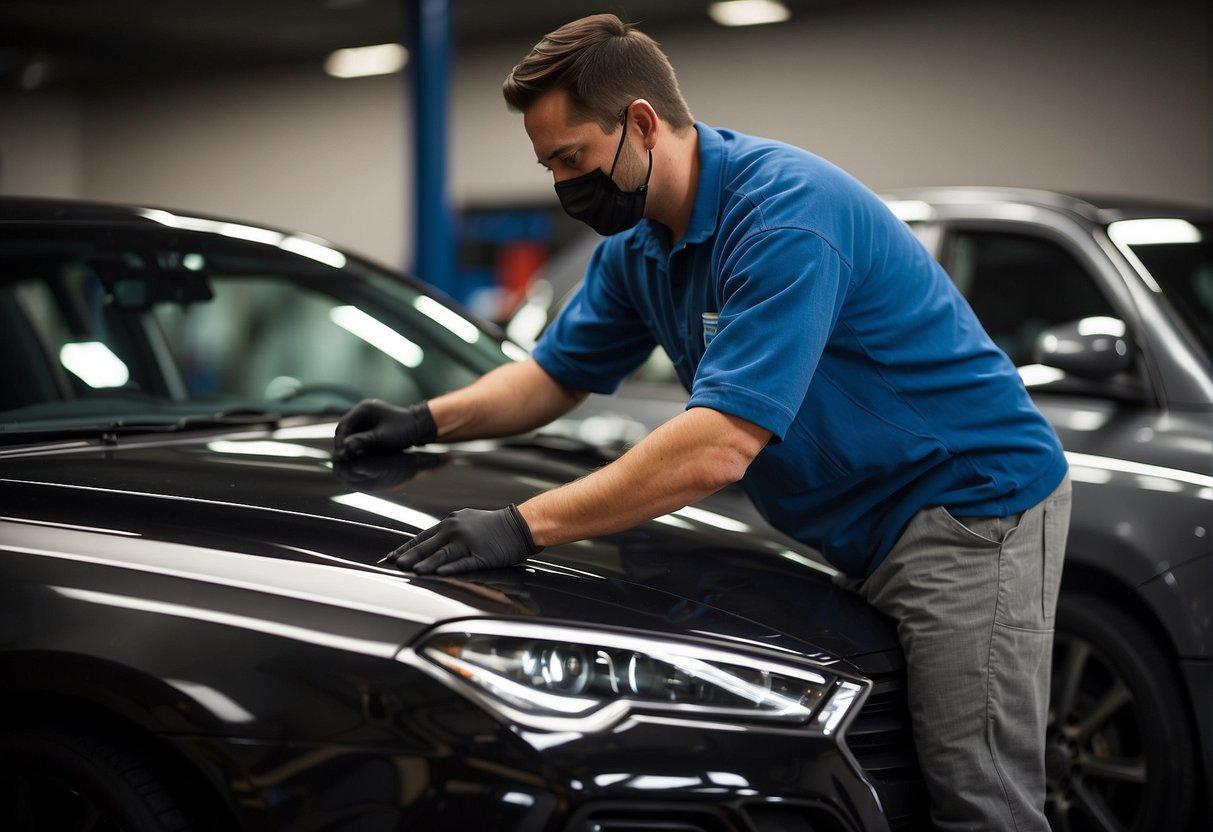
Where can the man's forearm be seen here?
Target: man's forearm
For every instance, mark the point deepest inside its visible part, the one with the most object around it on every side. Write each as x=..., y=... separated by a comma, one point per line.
x=510, y=399
x=689, y=457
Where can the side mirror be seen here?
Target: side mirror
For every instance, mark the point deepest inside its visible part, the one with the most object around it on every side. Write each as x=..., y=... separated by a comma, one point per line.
x=1091, y=348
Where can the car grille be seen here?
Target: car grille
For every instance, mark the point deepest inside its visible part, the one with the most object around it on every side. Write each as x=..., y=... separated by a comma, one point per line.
x=881, y=742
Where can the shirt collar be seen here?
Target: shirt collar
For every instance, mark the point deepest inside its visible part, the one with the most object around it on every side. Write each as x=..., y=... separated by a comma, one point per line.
x=707, y=191
x=650, y=236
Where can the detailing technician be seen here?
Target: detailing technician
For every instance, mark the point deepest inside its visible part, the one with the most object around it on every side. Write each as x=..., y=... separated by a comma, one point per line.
x=834, y=370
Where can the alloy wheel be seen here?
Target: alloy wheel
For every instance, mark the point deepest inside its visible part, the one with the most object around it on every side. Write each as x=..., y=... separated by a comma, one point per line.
x=33, y=802
x=1095, y=760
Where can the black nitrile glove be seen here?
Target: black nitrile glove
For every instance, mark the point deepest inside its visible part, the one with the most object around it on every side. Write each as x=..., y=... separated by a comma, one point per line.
x=374, y=425
x=467, y=540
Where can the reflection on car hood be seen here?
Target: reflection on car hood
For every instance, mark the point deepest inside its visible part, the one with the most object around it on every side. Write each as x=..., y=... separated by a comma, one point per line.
x=277, y=495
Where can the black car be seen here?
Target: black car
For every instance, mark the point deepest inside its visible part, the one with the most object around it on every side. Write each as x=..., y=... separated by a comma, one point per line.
x=1106, y=308
x=195, y=634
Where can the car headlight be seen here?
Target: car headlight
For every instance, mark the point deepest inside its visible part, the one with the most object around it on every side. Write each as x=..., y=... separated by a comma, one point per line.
x=570, y=678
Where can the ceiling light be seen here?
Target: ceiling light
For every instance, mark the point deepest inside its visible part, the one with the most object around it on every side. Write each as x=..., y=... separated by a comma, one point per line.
x=383, y=59
x=1160, y=231
x=378, y=334
x=94, y=364
x=748, y=12
x=910, y=210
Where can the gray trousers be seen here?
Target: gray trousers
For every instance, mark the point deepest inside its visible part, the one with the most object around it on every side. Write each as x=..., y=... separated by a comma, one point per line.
x=974, y=599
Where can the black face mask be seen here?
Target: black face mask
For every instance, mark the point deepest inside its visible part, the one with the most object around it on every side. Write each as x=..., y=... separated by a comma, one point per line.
x=596, y=200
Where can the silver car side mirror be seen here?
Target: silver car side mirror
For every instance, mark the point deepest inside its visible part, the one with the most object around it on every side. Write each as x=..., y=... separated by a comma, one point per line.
x=1092, y=348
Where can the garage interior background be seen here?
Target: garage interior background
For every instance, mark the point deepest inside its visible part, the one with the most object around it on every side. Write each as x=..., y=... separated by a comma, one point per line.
x=225, y=107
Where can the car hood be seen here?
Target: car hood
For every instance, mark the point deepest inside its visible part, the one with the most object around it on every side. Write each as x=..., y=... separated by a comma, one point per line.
x=277, y=494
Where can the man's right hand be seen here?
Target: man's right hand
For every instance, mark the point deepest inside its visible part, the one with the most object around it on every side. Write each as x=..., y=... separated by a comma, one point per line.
x=375, y=425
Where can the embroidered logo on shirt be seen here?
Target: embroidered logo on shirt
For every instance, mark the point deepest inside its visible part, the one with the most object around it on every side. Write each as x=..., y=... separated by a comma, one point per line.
x=710, y=320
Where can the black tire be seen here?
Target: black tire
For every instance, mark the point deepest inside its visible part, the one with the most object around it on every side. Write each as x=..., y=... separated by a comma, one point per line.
x=1120, y=757
x=72, y=777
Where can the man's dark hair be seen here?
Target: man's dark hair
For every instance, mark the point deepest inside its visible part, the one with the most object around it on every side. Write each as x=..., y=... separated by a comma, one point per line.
x=605, y=65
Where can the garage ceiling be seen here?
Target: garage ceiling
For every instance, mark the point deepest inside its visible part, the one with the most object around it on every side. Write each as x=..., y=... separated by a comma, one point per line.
x=92, y=43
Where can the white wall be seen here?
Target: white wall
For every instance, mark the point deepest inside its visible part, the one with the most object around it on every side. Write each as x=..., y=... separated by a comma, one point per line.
x=1080, y=96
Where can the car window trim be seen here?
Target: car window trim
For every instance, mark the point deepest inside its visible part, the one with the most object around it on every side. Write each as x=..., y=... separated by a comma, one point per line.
x=1119, y=304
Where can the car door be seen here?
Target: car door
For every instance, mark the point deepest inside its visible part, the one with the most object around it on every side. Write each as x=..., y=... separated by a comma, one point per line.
x=1021, y=278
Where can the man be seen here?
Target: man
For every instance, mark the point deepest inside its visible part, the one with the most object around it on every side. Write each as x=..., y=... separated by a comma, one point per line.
x=834, y=370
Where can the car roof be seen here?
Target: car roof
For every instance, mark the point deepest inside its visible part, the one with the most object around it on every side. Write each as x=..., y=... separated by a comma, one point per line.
x=1101, y=209
x=51, y=209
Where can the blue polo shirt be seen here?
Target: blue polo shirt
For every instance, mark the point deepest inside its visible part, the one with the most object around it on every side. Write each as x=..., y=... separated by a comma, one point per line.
x=797, y=301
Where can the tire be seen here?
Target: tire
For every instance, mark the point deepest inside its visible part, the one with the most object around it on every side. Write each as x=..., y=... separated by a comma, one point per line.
x=1119, y=752
x=71, y=777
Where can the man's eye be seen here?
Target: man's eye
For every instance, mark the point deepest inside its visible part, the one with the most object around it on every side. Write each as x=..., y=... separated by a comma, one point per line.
x=571, y=159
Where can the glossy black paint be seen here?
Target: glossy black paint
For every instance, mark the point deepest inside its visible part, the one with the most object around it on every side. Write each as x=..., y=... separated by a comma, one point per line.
x=206, y=592
x=185, y=492
x=216, y=594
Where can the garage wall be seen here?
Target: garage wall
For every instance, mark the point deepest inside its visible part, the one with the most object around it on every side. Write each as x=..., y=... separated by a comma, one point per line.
x=1090, y=97
x=40, y=145
x=1080, y=96
x=290, y=148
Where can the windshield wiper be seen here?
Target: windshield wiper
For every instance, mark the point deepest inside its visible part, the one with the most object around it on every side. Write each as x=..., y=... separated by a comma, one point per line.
x=109, y=432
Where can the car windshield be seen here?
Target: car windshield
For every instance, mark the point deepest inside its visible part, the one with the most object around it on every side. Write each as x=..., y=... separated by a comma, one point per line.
x=1178, y=255
x=101, y=324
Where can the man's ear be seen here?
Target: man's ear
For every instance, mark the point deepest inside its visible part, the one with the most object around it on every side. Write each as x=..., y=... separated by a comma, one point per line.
x=644, y=118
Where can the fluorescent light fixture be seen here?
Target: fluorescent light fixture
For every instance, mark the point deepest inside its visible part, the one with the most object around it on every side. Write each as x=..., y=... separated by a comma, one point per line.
x=1148, y=232
x=1033, y=375
x=796, y=557
x=448, y=318
x=360, y=61
x=514, y=351
x=1096, y=476
x=313, y=249
x=1139, y=468
x=748, y=12
x=321, y=431
x=1086, y=420
x=378, y=334
x=711, y=518
x=610, y=779
x=216, y=702
x=94, y=364
x=530, y=318
x=386, y=508
x=1102, y=325
x=910, y=210
x=266, y=447
x=527, y=322
x=70, y=526
x=227, y=229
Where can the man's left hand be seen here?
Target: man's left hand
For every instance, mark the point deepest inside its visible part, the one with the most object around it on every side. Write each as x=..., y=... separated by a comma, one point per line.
x=467, y=540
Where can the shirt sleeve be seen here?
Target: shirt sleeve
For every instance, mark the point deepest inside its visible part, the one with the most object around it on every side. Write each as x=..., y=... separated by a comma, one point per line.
x=598, y=338
x=782, y=290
